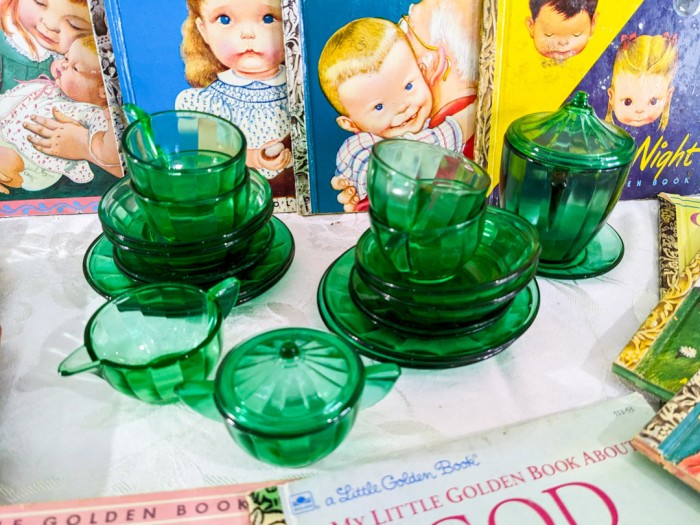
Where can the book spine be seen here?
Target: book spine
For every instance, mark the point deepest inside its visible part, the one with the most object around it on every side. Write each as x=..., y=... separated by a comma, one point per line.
x=659, y=317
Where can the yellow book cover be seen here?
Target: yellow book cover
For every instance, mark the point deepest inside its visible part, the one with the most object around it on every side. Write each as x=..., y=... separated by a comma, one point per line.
x=636, y=59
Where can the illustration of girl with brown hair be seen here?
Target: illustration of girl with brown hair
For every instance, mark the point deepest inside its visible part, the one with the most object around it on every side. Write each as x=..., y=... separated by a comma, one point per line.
x=234, y=60
x=641, y=87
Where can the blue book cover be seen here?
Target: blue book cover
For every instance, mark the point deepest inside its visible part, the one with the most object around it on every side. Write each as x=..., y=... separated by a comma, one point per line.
x=413, y=64
x=220, y=57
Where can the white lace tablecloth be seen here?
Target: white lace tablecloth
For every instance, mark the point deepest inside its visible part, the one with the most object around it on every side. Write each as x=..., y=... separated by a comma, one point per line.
x=75, y=437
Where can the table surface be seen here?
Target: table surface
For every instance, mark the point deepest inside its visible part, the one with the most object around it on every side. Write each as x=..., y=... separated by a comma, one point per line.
x=75, y=437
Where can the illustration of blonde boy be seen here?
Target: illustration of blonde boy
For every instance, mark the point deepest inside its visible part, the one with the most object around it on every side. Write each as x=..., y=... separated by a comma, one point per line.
x=641, y=86
x=561, y=29
x=369, y=74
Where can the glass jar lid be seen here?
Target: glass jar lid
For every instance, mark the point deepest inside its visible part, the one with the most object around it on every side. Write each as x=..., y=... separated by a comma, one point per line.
x=573, y=136
x=288, y=382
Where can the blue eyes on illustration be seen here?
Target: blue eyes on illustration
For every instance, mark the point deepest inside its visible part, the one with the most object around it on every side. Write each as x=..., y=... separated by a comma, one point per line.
x=225, y=20
x=379, y=107
x=409, y=86
x=268, y=19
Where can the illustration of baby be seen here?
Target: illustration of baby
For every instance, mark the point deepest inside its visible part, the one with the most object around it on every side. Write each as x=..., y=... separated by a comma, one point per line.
x=78, y=93
x=369, y=74
x=641, y=87
x=33, y=32
x=234, y=58
x=561, y=29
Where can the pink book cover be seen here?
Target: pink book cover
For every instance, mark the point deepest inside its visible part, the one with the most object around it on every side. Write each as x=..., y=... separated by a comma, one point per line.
x=210, y=505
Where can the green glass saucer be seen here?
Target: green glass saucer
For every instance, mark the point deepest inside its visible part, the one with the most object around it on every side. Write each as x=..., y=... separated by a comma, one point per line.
x=380, y=342
x=422, y=320
x=601, y=255
x=104, y=277
x=145, y=271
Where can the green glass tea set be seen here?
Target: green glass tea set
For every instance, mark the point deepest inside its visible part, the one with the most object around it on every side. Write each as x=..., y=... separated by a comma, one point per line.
x=439, y=279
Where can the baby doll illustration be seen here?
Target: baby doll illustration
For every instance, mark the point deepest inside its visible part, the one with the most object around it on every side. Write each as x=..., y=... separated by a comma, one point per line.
x=640, y=89
x=369, y=74
x=561, y=29
x=79, y=94
x=33, y=33
x=234, y=58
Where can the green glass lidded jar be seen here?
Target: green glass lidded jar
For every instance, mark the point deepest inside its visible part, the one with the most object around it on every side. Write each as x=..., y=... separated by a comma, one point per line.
x=564, y=171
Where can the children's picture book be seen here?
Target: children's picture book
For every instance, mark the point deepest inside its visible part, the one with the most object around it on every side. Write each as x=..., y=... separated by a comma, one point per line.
x=224, y=57
x=637, y=60
x=58, y=151
x=664, y=353
x=679, y=235
x=575, y=467
x=371, y=71
x=672, y=437
x=212, y=505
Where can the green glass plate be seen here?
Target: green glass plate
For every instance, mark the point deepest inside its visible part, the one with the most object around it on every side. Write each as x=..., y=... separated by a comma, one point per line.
x=145, y=271
x=419, y=319
x=380, y=342
x=104, y=277
x=601, y=255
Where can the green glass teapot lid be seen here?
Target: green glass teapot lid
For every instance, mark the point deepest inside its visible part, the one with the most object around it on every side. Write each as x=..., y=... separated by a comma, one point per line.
x=573, y=136
x=289, y=382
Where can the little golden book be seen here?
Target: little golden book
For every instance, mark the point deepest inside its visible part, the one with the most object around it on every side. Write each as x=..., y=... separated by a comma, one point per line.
x=637, y=60
x=573, y=467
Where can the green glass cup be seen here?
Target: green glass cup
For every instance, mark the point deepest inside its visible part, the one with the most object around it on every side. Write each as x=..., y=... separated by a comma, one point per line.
x=181, y=221
x=289, y=397
x=151, y=338
x=198, y=155
x=429, y=255
x=414, y=186
x=564, y=172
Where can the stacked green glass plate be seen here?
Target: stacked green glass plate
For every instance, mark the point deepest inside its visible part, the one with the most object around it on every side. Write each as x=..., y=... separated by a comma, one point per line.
x=473, y=315
x=258, y=250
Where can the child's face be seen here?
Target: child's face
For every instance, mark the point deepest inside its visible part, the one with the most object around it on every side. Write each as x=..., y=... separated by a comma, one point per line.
x=55, y=24
x=78, y=75
x=244, y=35
x=560, y=38
x=391, y=102
x=639, y=100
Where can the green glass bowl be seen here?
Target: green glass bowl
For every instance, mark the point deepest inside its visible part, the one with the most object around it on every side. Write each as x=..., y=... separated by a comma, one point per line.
x=194, y=269
x=504, y=261
x=564, y=172
x=199, y=156
x=414, y=186
x=289, y=397
x=429, y=255
x=150, y=339
x=422, y=320
x=183, y=221
x=102, y=274
x=124, y=223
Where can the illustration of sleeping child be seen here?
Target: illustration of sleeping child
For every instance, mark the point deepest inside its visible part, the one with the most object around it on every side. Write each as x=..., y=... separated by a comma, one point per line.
x=34, y=32
x=234, y=58
x=369, y=74
x=78, y=93
x=641, y=86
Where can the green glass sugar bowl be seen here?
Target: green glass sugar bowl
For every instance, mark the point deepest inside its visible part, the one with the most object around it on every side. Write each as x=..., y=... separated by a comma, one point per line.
x=289, y=397
x=564, y=172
